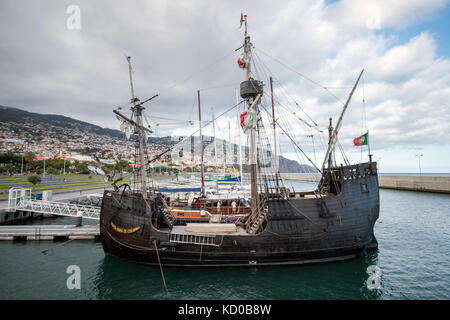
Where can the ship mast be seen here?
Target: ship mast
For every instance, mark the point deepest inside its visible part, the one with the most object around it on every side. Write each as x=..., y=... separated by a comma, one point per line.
x=201, y=144
x=274, y=136
x=239, y=141
x=215, y=150
x=137, y=110
x=334, y=133
x=230, y=147
x=247, y=50
x=251, y=91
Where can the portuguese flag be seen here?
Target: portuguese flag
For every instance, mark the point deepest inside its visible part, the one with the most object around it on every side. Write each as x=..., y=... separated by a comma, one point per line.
x=243, y=18
x=362, y=140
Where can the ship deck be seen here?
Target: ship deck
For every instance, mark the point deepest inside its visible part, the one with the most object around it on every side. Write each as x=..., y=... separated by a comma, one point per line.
x=180, y=229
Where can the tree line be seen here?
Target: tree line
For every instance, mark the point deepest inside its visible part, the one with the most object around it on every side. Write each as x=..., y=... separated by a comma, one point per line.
x=12, y=163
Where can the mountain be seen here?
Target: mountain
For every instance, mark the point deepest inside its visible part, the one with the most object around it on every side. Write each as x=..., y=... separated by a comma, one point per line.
x=27, y=124
x=292, y=166
x=9, y=114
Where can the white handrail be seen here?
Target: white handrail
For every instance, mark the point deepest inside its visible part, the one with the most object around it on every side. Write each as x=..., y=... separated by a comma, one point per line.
x=60, y=208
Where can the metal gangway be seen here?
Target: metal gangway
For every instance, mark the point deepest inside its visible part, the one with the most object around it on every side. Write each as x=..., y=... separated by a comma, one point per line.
x=20, y=200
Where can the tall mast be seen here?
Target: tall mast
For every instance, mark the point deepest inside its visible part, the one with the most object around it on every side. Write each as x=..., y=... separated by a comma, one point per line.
x=239, y=141
x=137, y=110
x=247, y=50
x=215, y=150
x=130, y=71
x=330, y=137
x=252, y=101
x=333, y=136
x=274, y=135
x=230, y=146
x=201, y=143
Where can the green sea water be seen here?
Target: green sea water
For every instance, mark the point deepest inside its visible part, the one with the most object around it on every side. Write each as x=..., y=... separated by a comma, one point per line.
x=413, y=232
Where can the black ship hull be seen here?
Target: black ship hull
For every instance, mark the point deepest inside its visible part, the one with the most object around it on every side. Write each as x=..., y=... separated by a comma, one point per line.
x=302, y=229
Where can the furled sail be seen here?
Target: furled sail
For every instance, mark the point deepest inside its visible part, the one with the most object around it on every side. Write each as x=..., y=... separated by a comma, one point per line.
x=248, y=120
x=125, y=126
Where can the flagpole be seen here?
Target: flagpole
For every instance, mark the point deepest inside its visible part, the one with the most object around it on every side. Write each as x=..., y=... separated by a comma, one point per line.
x=368, y=146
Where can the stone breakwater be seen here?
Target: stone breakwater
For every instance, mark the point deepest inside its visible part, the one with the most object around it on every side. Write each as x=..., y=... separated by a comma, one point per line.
x=437, y=184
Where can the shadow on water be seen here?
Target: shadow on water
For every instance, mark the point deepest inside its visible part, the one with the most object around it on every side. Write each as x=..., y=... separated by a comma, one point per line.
x=117, y=279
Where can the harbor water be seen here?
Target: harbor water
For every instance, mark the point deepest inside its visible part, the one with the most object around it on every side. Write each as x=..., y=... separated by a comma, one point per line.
x=413, y=258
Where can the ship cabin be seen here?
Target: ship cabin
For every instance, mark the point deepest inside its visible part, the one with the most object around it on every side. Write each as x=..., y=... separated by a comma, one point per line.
x=201, y=209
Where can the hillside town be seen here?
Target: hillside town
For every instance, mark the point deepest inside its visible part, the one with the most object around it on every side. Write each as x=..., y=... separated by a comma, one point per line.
x=68, y=141
x=78, y=144
x=32, y=142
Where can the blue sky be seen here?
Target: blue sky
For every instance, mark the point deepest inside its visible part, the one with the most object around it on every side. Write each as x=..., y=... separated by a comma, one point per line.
x=438, y=25
x=435, y=157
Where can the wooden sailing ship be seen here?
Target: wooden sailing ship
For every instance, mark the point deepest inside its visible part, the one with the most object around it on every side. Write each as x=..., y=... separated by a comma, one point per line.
x=332, y=223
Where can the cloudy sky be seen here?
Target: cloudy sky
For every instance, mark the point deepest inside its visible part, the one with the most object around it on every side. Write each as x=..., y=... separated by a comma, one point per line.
x=314, y=50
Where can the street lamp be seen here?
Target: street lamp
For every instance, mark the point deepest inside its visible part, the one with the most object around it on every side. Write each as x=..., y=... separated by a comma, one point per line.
x=420, y=169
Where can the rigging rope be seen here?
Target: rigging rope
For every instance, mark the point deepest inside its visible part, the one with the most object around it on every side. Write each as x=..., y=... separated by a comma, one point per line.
x=285, y=91
x=295, y=143
x=302, y=75
x=200, y=71
x=282, y=87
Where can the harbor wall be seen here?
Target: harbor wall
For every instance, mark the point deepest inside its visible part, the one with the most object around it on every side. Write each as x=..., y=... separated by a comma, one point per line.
x=437, y=184
x=300, y=176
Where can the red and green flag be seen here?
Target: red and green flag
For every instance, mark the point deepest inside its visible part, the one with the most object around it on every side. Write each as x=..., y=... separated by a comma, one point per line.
x=362, y=140
x=242, y=19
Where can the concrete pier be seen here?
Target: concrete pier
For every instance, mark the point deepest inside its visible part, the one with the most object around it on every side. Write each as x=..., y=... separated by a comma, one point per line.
x=49, y=232
x=300, y=176
x=437, y=184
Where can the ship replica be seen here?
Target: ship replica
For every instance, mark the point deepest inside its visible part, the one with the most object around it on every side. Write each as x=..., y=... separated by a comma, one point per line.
x=332, y=223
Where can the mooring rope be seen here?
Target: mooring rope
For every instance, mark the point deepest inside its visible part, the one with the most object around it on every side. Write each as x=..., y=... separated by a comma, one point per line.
x=59, y=245
x=160, y=266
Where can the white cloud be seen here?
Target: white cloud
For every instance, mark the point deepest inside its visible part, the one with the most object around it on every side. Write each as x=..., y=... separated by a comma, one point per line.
x=382, y=14
x=47, y=68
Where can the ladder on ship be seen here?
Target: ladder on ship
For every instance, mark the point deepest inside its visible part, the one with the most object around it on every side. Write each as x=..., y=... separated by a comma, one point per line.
x=255, y=221
x=167, y=216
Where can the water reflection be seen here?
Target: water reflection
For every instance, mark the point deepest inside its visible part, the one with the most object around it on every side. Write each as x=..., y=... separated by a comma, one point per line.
x=117, y=279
